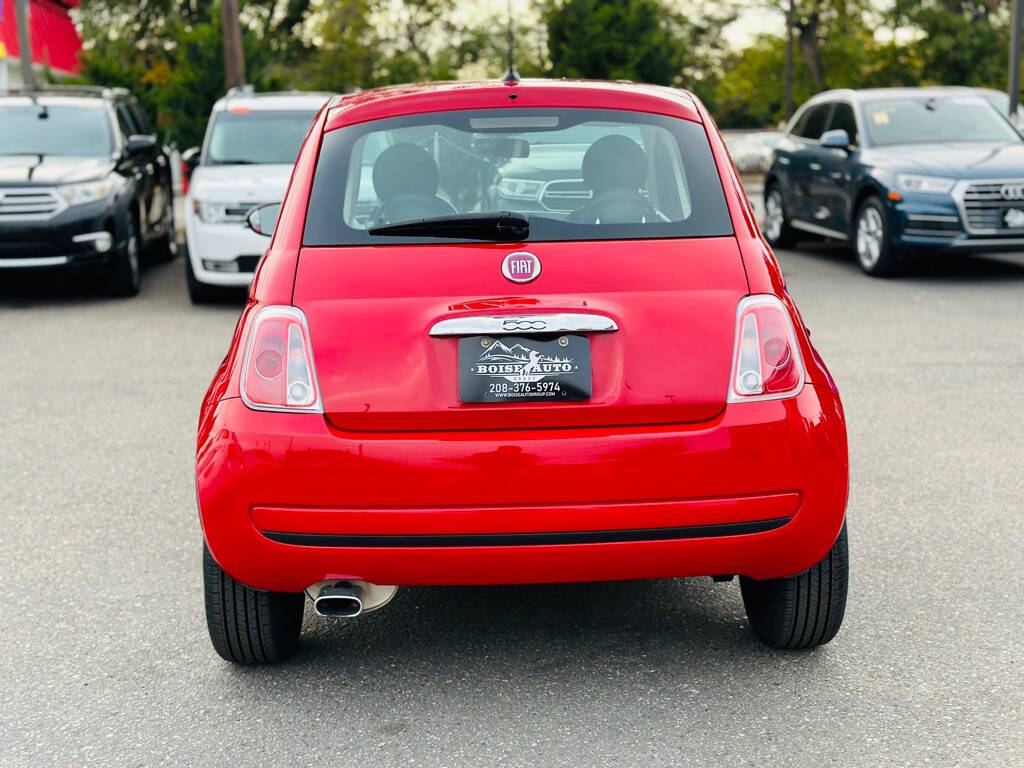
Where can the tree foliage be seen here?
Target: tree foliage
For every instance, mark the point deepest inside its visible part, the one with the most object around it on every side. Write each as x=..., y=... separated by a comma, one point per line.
x=169, y=52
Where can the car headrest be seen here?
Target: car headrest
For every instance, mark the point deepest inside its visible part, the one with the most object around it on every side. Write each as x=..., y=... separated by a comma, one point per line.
x=614, y=162
x=405, y=168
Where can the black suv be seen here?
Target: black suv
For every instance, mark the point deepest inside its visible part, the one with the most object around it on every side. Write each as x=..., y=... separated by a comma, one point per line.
x=84, y=184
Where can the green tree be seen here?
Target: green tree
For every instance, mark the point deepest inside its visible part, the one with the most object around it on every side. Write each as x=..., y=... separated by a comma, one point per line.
x=169, y=53
x=642, y=40
x=962, y=42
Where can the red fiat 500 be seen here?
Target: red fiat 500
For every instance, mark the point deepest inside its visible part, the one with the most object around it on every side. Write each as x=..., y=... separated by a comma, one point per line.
x=510, y=333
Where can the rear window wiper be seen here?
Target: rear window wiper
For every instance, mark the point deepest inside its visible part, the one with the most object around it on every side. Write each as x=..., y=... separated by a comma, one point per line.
x=501, y=226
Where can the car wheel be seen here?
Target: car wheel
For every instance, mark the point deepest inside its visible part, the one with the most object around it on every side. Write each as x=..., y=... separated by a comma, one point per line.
x=249, y=626
x=124, y=275
x=199, y=292
x=801, y=611
x=777, y=230
x=166, y=248
x=872, y=242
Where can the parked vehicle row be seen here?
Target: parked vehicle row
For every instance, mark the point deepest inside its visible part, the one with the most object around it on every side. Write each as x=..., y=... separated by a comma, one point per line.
x=898, y=172
x=86, y=186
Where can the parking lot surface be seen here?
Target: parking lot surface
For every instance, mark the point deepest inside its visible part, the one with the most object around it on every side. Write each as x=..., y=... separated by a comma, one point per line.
x=104, y=657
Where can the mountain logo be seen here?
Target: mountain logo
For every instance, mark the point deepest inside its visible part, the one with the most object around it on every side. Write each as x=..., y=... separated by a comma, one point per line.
x=520, y=363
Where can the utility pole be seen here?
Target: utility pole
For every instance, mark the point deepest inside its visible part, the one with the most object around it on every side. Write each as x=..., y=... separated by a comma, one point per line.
x=790, y=21
x=234, y=56
x=1015, y=51
x=28, y=80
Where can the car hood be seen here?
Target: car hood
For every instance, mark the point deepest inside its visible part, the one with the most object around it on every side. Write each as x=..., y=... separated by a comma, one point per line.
x=240, y=183
x=19, y=170
x=955, y=160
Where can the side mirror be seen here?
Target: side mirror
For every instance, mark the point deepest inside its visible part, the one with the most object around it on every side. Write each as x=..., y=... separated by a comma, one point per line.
x=263, y=218
x=190, y=160
x=139, y=144
x=837, y=139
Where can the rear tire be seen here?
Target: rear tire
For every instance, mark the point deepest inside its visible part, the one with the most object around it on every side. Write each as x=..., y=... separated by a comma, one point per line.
x=801, y=611
x=198, y=292
x=124, y=276
x=872, y=240
x=248, y=626
x=777, y=230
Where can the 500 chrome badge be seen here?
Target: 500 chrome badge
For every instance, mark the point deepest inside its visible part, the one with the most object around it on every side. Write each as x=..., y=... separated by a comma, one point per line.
x=521, y=267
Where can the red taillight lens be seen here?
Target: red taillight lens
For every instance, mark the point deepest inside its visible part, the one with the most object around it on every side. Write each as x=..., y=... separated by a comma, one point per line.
x=278, y=372
x=767, y=363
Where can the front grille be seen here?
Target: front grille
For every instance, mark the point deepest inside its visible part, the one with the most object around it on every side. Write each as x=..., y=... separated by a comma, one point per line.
x=984, y=207
x=565, y=195
x=28, y=203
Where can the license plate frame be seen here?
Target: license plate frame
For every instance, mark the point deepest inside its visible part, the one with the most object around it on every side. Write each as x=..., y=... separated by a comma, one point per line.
x=518, y=369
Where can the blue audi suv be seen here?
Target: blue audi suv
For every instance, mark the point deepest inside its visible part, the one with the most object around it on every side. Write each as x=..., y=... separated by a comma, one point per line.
x=898, y=171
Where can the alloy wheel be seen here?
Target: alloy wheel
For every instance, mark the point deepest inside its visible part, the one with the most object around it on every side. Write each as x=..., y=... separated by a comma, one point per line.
x=870, y=237
x=774, y=215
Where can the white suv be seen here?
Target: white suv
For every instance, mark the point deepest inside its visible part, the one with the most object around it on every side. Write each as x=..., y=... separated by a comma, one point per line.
x=251, y=144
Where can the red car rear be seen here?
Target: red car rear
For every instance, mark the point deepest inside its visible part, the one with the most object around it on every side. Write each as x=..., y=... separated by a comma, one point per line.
x=510, y=333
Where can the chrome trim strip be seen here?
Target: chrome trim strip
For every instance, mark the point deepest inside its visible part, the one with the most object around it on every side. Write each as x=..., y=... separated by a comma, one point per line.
x=819, y=230
x=495, y=325
x=38, y=261
x=932, y=217
x=937, y=233
x=984, y=242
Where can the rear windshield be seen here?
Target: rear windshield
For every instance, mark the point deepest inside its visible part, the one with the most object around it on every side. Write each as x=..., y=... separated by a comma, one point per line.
x=576, y=175
x=55, y=129
x=926, y=120
x=260, y=137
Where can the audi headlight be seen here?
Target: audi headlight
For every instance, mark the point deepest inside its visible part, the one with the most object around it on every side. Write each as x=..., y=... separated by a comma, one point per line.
x=210, y=213
x=911, y=183
x=520, y=189
x=90, y=191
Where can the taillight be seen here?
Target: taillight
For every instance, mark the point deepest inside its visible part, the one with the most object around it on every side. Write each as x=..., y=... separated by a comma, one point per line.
x=766, y=363
x=278, y=372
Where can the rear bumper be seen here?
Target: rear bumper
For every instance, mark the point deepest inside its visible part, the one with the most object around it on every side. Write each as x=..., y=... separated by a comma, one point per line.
x=287, y=501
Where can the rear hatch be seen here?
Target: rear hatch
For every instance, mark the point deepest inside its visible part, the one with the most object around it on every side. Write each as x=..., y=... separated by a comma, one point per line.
x=371, y=311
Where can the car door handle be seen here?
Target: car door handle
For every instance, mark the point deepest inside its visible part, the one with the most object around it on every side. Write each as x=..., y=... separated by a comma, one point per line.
x=815, y=166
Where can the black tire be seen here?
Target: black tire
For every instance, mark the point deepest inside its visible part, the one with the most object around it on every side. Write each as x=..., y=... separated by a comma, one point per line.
x=166, y=248
x=198, y=292
x=802, y=611
x=778, y=233
x=872, y=240
x=248, y=626
x=124, y=272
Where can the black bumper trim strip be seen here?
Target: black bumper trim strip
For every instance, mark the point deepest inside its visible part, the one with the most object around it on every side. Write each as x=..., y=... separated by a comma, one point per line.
x=524, y=539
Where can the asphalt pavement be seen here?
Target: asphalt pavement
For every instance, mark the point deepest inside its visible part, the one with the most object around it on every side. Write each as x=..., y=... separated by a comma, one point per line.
x=104, y=657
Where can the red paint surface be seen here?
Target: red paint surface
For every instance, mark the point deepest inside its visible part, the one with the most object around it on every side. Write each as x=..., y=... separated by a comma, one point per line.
x=55, y=41
x=397, y=453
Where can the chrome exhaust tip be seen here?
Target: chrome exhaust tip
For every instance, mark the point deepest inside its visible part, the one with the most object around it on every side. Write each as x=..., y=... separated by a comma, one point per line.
x=342, y=600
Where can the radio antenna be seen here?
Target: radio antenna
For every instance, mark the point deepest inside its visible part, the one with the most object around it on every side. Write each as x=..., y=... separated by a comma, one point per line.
x=511, y=76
